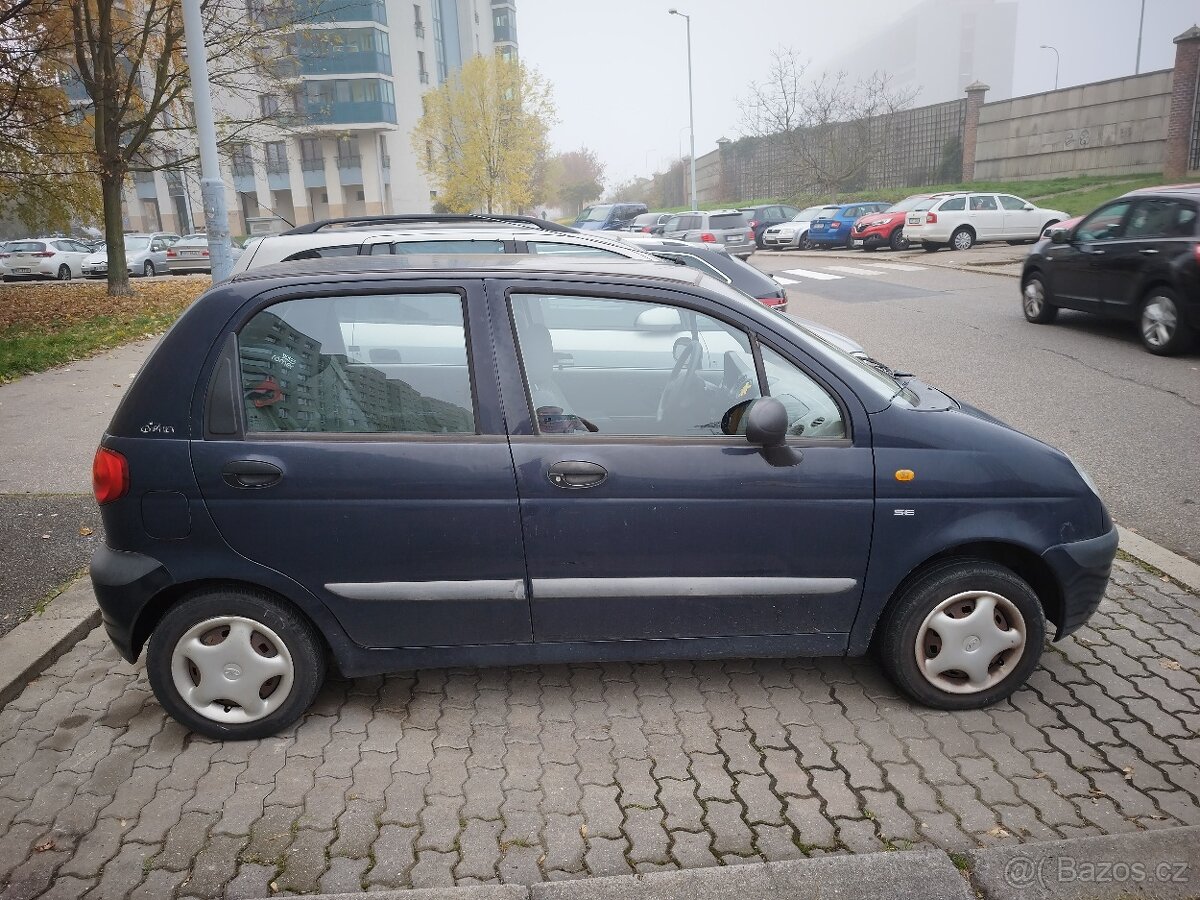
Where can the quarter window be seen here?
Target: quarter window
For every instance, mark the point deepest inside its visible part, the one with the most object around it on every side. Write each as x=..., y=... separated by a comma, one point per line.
x=630, y=367
x=395, y=363
x=812, y=411
x=953, y=204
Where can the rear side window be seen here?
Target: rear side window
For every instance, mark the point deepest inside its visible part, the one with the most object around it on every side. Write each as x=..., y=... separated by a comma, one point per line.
x=463, y=248
x=727, y=220
x=1161, y=218
x=394, y=363
x=954, y=203
x=323, y=252
x=561, y=248
x=983, y=202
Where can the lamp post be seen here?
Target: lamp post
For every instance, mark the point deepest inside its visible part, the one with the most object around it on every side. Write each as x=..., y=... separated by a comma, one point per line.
x=1137, y=64
x=1056, y=61
x=691, y=107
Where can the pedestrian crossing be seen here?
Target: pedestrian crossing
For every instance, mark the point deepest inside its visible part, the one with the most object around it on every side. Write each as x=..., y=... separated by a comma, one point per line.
x=833, y=273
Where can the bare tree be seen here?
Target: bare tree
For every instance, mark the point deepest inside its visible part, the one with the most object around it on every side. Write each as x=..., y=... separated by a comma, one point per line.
x=831, y=129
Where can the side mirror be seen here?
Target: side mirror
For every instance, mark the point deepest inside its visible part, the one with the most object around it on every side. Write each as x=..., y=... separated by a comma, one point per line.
x=659, y=318
x=1028, y=207
x=1060, y=236
x=766, y=422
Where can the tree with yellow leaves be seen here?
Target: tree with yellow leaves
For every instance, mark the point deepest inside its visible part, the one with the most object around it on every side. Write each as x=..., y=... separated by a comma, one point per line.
x=482, y=134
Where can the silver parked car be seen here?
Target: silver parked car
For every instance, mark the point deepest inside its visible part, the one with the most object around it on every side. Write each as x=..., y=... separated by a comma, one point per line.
x=145, y=254
x=190, y=255
x=793, y=235
x=727, y=227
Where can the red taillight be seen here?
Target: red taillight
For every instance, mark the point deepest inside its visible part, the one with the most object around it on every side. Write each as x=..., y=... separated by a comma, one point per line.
x=645, y=229
x=44, y=254
x=171, y=253
x=110, y=475
x=834, y=226
x=1196, y=253
x=708, y=237
x=931, y=218
x=204, y=253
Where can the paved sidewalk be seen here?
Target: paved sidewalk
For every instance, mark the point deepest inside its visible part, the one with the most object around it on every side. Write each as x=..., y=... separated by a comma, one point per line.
x=548, y=773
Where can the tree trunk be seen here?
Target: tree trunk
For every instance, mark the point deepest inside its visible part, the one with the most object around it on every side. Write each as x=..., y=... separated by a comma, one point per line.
x=114, y=234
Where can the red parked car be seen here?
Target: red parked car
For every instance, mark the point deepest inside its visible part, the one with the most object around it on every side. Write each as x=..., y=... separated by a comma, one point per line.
x=886, y=228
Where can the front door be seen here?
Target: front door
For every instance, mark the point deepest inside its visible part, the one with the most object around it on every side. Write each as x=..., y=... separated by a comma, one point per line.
x=985, y=216
x=368, y=462
x=1020, y=223
x=642, y=518
x=1079, y=268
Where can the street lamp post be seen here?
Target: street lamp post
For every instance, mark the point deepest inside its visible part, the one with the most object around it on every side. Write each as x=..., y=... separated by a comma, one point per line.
x=691, y=107
x=1137, y=64
x=1056, y=61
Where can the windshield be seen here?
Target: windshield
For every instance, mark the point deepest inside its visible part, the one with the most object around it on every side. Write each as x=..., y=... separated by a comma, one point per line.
x=907, y=204
x=887, y=386
x=136, y=242
x=594, y=214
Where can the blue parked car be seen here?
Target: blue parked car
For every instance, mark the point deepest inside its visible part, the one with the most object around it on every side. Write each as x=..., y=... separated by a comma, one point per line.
x=396, y=462
x=834, y=230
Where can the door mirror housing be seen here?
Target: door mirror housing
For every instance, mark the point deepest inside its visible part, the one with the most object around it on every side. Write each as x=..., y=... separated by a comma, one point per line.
x=766, y=422
x=1028, y=207
x=1060, y=236
x=659, y=318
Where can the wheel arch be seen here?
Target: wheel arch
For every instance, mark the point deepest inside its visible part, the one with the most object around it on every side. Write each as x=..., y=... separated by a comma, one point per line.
x=965, y=226
x=1025, y=563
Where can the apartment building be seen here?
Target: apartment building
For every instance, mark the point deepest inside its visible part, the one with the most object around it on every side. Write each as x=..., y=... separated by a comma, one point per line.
x=354, y=73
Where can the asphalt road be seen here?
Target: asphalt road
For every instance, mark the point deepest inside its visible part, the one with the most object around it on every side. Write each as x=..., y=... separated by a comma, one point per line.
x=1132, y=420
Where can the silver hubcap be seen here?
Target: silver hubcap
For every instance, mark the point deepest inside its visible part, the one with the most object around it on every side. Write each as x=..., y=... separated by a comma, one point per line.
x=962, y=241
x=1159, y=321
x=970, y=642
x=232, y=669
x=1035, y=298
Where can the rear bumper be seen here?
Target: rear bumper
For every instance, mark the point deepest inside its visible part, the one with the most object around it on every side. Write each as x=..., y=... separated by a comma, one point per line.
x=124, y=584
x=1082, y=569
x=830, y=237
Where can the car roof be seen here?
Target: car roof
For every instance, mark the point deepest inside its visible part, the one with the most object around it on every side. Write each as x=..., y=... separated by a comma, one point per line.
x=1188, y=190
x=480, y=265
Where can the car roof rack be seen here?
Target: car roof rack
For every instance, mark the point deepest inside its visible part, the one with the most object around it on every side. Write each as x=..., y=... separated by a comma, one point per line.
x=430, y=218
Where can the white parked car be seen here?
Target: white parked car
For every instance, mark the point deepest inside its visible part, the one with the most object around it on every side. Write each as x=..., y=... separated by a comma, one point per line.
x=793, y=235
x=961, y=220
x=59, y=258
x=145, y=254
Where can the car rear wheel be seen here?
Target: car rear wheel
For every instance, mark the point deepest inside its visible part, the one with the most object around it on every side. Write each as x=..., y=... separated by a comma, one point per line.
x=962, y=239
x=897, y=240
x=964, y=635
x=148, y=268
x=1163, y=332
x=1035, y=301
x=235, y=665
x=64, y=272
x=930, y=246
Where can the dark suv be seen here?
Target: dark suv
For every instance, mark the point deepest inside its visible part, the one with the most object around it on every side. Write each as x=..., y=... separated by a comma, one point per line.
x=401, y=462
x=1136, y=258
x=760, y=218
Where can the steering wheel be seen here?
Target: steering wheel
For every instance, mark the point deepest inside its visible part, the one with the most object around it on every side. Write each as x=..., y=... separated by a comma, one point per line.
x=683, y=374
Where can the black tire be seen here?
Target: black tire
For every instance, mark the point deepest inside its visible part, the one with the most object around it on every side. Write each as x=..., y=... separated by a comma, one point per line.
x=148, y=270
x=1178, y=338
x=962, y=238
x=868, y=247
x=897, y=240
x=804, y=243
x=64, y=272
x=902, y=621
x=758, y=241
x=930, y=246
x=1037, y=301
x=302, y=642
x=1016, y=243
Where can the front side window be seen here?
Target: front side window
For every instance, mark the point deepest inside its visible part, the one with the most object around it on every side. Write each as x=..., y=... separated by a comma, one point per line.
x=1011, y=203
x=389, y=363
x=630, y=367
x=1105, y=224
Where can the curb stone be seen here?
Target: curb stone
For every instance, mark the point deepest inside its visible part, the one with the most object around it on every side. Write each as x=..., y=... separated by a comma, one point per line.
x=1164, y=865
x=40, y=640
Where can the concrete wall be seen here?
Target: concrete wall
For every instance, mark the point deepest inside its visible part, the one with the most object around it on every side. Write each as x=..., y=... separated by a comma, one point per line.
x=1112, y=127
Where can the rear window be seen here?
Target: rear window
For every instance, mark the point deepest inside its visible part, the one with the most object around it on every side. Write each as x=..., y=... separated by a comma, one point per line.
x=25, y=247
x=323, y=252
x=594, y=214
x=727, y=220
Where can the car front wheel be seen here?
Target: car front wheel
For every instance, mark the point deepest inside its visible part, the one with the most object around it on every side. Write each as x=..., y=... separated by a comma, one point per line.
x=898, y=241
x=235, y=665
x=964, y=635
x=1163, y=333
x=962, y=239
x=1035, y=301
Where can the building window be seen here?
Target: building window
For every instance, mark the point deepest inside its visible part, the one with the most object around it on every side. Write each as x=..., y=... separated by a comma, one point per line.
x=242, y=159
x=418, y=25
x=268, y=105
x=311, y=158
x=348, y=156
x=276, y=153
x=422, y=72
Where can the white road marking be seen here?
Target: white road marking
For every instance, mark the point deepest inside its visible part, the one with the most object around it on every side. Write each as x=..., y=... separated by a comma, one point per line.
x=817, y=276
x=786, y=280
x=851, y=270
x=897, y=267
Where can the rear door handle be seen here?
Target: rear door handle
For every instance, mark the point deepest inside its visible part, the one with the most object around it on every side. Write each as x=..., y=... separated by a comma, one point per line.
x=573, y=474
x=251, y=473
x=1148, y=251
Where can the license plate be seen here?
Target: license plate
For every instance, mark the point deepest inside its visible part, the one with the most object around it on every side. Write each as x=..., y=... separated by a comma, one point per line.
x=914, y=221
x=734, y=239
x=818, y=227
x=189, y=253
x=858, y=243
x=22, y=271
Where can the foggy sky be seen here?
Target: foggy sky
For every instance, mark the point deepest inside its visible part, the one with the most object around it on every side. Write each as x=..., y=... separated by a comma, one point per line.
x=619, y=67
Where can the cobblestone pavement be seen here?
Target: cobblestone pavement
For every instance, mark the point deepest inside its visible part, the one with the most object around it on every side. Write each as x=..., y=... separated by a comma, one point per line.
x=522, y=774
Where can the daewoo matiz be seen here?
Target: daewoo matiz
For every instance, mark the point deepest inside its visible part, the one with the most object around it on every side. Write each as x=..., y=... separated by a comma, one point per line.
x=405, y=462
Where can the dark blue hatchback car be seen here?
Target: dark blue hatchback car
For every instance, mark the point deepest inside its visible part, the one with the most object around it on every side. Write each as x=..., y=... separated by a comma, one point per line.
x=395, y=462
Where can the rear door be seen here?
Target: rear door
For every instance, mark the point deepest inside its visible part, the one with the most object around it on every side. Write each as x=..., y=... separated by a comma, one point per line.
x=1159, y=229
x=365, y=457
x=642, y=519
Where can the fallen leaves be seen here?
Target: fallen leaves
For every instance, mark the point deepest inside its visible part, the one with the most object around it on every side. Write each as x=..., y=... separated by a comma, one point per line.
x=45, y=845
x=84, y=530
x=1170, y=664
x=53, y=306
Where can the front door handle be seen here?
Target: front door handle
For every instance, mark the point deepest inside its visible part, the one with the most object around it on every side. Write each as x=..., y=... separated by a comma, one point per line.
x=573, y=474
x=251, y=473
x=1148, y=251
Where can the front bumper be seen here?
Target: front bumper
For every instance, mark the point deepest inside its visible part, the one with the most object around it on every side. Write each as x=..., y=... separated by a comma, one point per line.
x=124, y=583
x=781, y=240
x=1082, y=569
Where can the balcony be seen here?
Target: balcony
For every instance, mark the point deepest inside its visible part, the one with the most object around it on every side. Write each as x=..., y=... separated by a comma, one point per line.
x=350, y=168
x=352, y=112
x=319, y=61
x=313, y=168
